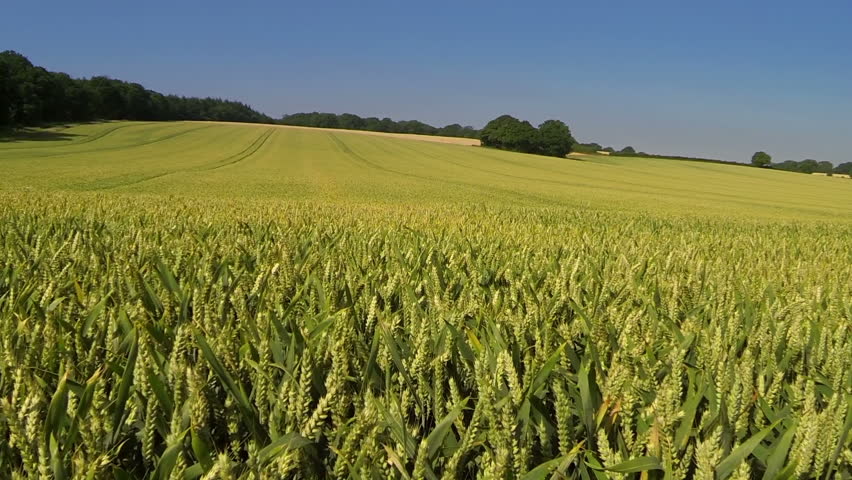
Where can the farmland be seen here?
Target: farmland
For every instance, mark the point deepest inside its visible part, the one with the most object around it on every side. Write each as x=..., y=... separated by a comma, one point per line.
x=203, y=160
x=201, y=300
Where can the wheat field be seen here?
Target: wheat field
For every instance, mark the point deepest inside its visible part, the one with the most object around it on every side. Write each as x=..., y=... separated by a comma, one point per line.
x=191, y=300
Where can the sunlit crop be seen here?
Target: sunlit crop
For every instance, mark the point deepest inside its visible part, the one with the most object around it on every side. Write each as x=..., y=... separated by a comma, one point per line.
x=314, y=325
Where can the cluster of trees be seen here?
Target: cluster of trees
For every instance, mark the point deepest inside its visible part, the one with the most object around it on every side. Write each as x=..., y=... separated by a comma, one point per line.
x=351, y=121
x=31, y=95
x=844, y=168
x=805, y=166
x=506, y=132
x=764, y=160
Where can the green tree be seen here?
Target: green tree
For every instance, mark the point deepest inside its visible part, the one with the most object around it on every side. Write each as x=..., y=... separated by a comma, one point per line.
x=350, y=121
x=5, y=93
x=27, y=82
x=137, y=101
x=555, y=138
x=844, y=168
x=761, y=159
x=416, y=126
x=387, y=125
x=787, y=165
x=509, y=133
x=628, y=150
x=824, y=167
x=452, y=130
x=808, y=166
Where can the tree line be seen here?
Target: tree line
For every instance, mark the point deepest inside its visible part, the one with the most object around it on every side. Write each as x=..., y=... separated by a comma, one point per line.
x=764, y=160
x=349, y=121
x=629, y=151
x=32, y=95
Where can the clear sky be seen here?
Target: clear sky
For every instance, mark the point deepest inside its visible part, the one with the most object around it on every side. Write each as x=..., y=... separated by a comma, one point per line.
x=720, y=79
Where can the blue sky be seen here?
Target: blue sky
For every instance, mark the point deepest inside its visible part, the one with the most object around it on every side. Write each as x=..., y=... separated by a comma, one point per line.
x=720, y=79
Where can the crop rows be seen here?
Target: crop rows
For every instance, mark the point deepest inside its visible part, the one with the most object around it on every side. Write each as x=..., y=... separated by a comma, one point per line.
x=145, y=337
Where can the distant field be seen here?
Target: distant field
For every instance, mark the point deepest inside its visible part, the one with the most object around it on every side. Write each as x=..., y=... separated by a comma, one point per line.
x=409, y=136
x=202, y=300
x=202, y=159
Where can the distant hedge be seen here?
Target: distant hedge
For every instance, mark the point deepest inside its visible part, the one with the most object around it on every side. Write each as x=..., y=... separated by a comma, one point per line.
x=811, y=166
x=351, y=121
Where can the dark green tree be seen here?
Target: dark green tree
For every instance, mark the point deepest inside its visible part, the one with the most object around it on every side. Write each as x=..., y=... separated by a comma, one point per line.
x=761, y=159
x=844, y=168
x=787, y=165
x=808, y=166
x=387, y=125
x=508, y=133
x=555, y=138
x=628, y=150
x=6, y=88
x=351, y=122
x=824, y=167
x=452, y=130
x=416, y=127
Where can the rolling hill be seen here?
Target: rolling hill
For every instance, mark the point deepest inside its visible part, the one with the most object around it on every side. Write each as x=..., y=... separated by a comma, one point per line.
x=201, y=300
x=209, y=159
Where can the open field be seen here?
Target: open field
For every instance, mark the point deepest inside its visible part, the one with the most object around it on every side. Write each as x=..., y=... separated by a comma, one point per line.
x=188, y=300
x=255, y=161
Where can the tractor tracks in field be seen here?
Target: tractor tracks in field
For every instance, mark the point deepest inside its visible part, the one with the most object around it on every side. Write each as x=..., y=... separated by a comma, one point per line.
x=454, y=183
x=116, y=182
x=248, y=152
x=572, y=181
x=89, y=139
x=448, y=159
x=345, y=149
x=126, y=147
x=360, y=159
